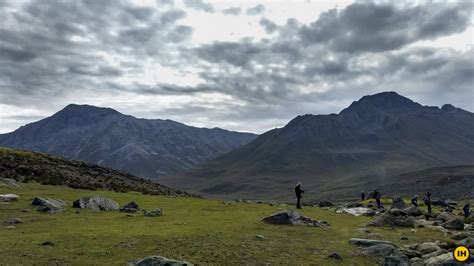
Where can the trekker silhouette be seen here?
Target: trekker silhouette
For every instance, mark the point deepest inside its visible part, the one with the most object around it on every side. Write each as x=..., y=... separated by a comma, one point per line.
x=377, y=198
x=362, y=195
x=428, y=201
x=466, y=210
x=414, y=201
x=298, y=192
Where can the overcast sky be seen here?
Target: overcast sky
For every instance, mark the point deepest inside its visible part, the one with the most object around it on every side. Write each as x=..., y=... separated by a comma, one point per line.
x=239, y=65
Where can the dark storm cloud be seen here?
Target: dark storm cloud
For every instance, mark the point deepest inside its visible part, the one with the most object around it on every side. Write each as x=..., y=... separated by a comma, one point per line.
x=199, y=5
x=256, y=10
x=233, y=11
x=370, y=27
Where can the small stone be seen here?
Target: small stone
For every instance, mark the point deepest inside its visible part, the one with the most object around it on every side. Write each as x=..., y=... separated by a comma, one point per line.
x=47, y=243
x=9, y=197
x=154, y=213
x=335, y=256
x=259, y=236
x=13, y=221
x=403, y=238
x=11, y=227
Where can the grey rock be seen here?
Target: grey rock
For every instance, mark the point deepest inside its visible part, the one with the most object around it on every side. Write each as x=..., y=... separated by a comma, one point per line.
x=8, y=182
x=455, y=224
x=11, y=227
x=387, y=219
x=413, y=211
x=380, y=250
x=131, y=207
x=450, y=202
x=259, y=236
x=354, y=204
x=357, y=211
x=160, y=261
x=417, y=262
x=428, y=247
x=154, y=213
x=445, y=216
x=459, y=236
x=48, y=205
x=335, y=256
x=410, y=253
x=96, y=203
x=9, y=198
x=395, y=260
x=47, y=243
x=368, y=242
x=13, y=221
x=443, y=259
x=291, y=217
x=398, y=203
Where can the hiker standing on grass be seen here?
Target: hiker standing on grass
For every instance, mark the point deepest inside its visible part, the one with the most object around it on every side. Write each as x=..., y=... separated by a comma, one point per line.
x=377, y=198
x=428, y=201
x=362, y=195
x=466, y=210
x=298, y=192
x=414, y=201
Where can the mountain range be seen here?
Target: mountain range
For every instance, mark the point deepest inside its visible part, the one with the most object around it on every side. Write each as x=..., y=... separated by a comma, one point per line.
x=146, y=148
x=367, y=145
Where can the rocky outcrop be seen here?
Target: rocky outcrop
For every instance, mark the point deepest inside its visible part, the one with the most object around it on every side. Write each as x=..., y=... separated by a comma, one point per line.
x=357, y=211
x=96, y=203
x=413, y=211
x=160, y=261
x=368, y=242
x=291, y=217
x=454, y=224
x=48, y=205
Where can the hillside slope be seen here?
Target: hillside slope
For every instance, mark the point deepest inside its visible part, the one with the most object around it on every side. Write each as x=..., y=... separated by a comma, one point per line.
x=27, y=166
x=146, y=148
x=377, y=137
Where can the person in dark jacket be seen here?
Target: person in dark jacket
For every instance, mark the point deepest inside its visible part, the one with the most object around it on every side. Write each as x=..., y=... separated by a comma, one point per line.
x=466, y=210
x=298, y=192
x=414, y=201
x=377, y=198
x=428, y=201
x=362, y=195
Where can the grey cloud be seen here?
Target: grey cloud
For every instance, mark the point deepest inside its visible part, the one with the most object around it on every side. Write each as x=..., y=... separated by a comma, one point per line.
x=256, y=10
x=233, y=11
x=199, y=5
x=268, y=25
x=370, y=27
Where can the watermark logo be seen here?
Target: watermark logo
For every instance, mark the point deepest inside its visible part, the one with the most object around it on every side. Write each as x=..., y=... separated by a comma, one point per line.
x=461, y=253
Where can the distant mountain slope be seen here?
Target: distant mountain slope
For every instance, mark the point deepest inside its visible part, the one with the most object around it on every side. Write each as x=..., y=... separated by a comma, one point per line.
x=146, y=148
x=31, y=166
x=376, y=137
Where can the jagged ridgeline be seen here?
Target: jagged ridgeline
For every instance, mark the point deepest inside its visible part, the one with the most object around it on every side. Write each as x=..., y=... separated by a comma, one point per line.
x=28, y=166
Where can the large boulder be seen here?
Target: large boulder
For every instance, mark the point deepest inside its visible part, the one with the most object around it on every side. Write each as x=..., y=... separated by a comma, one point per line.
x=96, y=203
x=9, y=197
x=13, y=221
x=445, y=216
x=413, y=211
x=443, y=259
x=48, y=205
x=398, y=203
x=467, y=242
x=160, y=261
x=130, y=207
x=291, y=217
x=392, y=219
x=454, y=224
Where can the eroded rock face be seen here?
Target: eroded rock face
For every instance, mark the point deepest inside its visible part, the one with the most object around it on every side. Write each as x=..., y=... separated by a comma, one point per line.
x=96, y=203
x=392, y=219
x=291, y=217
x=48, y=205
x=160, y=261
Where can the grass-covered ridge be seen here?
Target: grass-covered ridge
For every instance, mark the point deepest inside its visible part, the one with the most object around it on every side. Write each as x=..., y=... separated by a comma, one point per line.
x=28, y=166
x=197, y=230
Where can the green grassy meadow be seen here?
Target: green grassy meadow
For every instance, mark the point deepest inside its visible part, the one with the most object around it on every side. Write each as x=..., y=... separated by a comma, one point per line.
x=201, y=231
